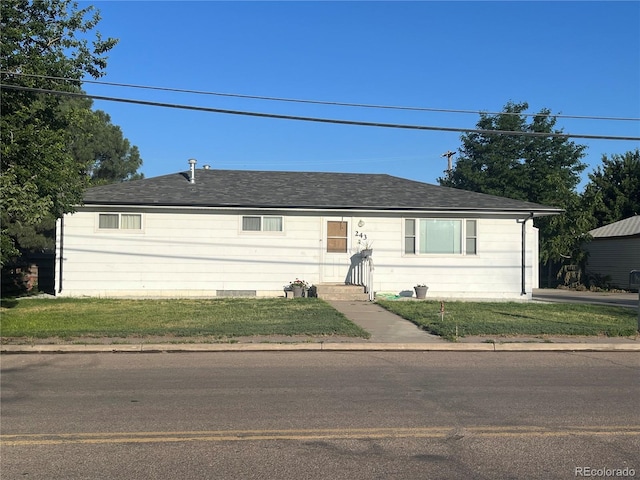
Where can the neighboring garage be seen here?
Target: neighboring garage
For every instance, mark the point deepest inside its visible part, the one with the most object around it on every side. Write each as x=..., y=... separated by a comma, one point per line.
x=615, y=251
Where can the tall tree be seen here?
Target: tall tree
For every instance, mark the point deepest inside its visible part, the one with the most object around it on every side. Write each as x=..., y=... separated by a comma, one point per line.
x=542, y=169
x=42, y=41
x=114, y=158
x=97, y=143
x=613, y=191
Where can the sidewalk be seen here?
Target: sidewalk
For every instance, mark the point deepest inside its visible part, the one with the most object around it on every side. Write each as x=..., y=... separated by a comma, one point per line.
x=389, y=332
x=384, y=326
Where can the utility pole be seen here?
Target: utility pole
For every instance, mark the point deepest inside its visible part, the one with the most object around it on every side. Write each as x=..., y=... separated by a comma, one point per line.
x=449, y=154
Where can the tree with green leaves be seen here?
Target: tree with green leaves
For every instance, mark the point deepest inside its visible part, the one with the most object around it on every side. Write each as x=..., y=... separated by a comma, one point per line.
x=613, y=191
x=109, y=157
x=46, y=159
x=535, y=164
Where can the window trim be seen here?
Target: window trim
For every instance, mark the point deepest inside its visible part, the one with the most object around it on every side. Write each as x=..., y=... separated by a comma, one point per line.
x=464, y=237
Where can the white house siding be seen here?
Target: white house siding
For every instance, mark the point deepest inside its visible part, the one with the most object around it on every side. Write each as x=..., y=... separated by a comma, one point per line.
x=199, y=253
x=615, y=257
x=494, y=272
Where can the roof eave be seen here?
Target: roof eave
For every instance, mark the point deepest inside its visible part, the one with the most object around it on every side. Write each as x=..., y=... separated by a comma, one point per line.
x=530, y=212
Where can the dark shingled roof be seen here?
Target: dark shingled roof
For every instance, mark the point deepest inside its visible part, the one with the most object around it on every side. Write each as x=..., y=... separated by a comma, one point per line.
x=269, y=189
x=622, y=228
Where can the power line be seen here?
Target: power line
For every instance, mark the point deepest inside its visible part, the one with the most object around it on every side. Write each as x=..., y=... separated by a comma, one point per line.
x=318, y=120
x=320, y=102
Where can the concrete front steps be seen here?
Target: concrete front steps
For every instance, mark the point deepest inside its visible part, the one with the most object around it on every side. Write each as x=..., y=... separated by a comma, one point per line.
x=340, y=291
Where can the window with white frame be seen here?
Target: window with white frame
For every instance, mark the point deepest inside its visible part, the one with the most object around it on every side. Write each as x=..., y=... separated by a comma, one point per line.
x=471, y=237
x=261, y=223
x=120, y=221
x=440, y=236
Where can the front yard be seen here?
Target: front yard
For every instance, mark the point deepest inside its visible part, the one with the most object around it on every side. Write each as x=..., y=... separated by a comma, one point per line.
x=221, y=319
x=224, y=320
x=514, y=318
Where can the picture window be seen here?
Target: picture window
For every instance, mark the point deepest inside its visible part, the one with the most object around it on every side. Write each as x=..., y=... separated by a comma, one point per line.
x=440, y=236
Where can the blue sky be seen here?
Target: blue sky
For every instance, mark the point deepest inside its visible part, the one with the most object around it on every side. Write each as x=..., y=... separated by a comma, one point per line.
x=575, y=58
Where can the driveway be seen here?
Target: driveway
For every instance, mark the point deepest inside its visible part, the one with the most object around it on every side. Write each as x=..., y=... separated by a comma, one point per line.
x=571, y=296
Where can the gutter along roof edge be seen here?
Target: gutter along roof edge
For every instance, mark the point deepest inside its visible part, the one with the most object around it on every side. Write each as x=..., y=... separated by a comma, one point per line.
x=438, y=210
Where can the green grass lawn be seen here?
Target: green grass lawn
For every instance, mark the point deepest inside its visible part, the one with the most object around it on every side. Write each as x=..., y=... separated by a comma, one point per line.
x=225, y=319
x=515, y=318
x=222, y=318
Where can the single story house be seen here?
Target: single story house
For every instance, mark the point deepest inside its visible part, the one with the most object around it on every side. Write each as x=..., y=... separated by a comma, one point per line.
x=208, y=233
x=614, y=251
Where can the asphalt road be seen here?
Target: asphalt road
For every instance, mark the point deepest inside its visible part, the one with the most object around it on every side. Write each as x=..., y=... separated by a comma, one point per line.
x=329, y=415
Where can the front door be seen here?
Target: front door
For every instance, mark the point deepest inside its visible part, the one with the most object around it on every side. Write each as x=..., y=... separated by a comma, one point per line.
x=335, y=252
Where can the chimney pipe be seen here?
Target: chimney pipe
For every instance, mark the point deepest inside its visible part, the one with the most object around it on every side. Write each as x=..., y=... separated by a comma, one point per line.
x=192, y=166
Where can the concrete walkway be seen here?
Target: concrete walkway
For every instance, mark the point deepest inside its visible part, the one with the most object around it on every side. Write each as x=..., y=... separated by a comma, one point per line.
x=384, y=326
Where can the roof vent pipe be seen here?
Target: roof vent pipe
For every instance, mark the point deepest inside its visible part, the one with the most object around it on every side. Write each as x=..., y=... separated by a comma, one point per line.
x=192, y=166
x=206, y=167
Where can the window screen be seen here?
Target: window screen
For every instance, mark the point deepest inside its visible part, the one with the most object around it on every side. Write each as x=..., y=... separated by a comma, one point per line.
x=471, y=238
x=131, y=222
x=108, y=220
x=272, y=224
x=251, y=224
x=409, y=236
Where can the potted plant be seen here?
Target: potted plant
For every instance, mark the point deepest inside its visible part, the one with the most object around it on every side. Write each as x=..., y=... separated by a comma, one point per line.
x=421, y=291
x=298, y=287
x=364, y=247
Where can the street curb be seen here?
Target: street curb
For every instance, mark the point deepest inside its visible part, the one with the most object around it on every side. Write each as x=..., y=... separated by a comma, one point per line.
x=323, y=347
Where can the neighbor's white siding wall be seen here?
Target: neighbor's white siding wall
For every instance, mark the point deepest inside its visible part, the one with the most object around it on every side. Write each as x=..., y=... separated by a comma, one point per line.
x=197, y=253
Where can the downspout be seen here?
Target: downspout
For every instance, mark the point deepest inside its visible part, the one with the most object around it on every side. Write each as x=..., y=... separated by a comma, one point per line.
x=523, y=266
x=61, y=253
